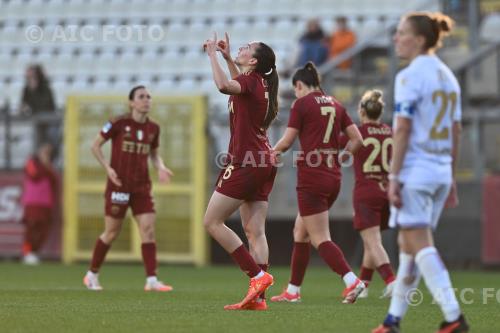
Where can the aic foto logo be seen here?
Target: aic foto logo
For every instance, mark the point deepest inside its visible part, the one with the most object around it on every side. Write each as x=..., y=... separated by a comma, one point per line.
x=120, y=197
x=10, y=207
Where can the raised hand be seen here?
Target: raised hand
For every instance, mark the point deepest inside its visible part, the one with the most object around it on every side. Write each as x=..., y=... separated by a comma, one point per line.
x=223, y=47
x=210, y=45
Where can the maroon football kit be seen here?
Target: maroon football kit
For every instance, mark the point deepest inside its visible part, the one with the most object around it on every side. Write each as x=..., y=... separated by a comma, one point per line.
x=249, y=172
x=371, y=167
x=131, y=145
x=320, y=120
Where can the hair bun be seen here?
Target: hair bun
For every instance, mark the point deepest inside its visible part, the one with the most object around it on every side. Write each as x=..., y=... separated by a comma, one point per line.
x=444, y=25
x=376, y=95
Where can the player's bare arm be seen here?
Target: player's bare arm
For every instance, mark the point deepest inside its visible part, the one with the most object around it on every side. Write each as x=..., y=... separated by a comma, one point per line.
x=225, y=86
x=224, y=48
x=164, y=173
x=97, y=152
x=401, y=137
x=355, y=139
x=286, y=140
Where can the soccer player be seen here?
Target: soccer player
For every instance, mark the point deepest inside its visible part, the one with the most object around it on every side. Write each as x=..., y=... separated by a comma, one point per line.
x=248, y=177
x=370, y=203
x=318, y=120
x=426, y=136
x=134, y=137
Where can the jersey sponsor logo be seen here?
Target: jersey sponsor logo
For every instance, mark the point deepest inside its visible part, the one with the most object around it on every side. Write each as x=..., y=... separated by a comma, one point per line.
x=136, y=147
x=140, y=135
x=107, y=127
x=120, y=198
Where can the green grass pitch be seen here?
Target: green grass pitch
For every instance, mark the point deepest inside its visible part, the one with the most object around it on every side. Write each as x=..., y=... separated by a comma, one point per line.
x=51, y=298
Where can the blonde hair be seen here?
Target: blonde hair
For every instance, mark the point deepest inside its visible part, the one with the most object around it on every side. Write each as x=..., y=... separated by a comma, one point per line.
x=372, y=103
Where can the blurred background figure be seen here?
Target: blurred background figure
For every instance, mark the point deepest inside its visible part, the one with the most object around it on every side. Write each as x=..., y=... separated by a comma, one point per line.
x=342, y=39
x=38, y=199
x=37, y=102
x=37, y=96
x=312, y=45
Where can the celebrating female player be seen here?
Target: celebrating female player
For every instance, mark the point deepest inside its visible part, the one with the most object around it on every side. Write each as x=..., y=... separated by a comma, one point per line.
x=426, y=136
x=318, y=120
x=248, y=177
x=134, y=137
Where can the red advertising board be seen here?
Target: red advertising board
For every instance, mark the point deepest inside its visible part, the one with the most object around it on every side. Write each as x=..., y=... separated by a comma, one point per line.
x=491, y=220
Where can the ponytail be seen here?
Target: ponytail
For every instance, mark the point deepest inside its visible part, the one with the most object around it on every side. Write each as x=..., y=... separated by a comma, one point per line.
x=308, y=75
x=266, y=66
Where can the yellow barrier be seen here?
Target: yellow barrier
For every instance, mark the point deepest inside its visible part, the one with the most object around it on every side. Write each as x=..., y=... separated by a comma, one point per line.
x=179, y=206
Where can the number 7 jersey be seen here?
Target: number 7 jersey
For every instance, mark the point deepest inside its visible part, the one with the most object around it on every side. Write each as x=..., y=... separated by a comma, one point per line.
x=427, y=93
x=320, y=120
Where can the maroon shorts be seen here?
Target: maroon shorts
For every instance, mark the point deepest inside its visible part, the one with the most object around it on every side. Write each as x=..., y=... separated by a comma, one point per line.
x=117, y=202
x=371, y=212
x=317, y=190
x=246, y=183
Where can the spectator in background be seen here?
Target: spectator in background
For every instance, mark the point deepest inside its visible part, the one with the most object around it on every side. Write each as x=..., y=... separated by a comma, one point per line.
x=39, y=198
x=37, y=96
x=37, y=99
x=342, y=39
x=312, y=45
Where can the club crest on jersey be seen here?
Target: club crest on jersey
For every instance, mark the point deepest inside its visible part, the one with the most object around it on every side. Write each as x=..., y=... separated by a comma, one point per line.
x=107, y=127
x=140, y=135
x=115, y=209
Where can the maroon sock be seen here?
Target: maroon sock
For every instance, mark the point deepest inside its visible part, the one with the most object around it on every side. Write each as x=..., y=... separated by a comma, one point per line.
x=264, y=267
x=334, y=257
x=386, y=273
x=100, y=251
x=300, y=259
x=243, y=258
x=149, y=258
x=366, y=275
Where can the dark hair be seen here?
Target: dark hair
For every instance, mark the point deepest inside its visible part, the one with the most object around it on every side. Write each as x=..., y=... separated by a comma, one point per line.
x=266, y=66
x=43, y=82
x=307, y=74
x=432, y=26
x=372, y=103
x=131, y=94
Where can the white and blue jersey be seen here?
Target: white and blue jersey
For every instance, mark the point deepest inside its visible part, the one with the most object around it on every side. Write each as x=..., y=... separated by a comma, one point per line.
x=428, y=93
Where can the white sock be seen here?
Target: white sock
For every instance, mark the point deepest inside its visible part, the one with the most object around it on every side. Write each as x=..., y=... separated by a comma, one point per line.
x=438, y=282
x=293, y=289
x=258, y=276
x=151, y=279
x=349, y=279
x=399, y=300
x=92, y=274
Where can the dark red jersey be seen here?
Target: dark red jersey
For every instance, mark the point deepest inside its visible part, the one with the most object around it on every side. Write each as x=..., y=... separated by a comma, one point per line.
x=371, y=163
x=320, y=120
x=131, y=143
x=249, y=143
